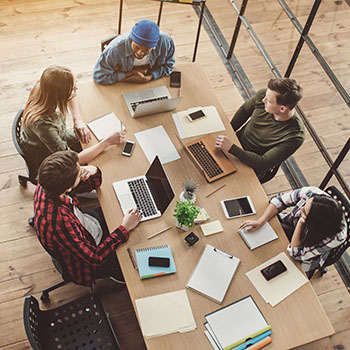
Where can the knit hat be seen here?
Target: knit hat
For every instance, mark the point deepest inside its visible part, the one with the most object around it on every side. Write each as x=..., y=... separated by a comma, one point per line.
x=145, y=33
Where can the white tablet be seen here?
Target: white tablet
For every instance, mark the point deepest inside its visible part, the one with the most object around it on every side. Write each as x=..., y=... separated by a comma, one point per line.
x=234, y=207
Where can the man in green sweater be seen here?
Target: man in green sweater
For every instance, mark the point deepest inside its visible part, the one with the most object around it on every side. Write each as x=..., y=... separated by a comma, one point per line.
x=273, y=132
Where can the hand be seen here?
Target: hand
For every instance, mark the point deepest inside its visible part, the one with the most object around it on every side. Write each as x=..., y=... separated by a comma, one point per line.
x=131, y=219
x=138, y=77
x=82, y=131
x=251, y=225
x=223, y=143
x=141, y=69
x=86, y=171
x=116, y=139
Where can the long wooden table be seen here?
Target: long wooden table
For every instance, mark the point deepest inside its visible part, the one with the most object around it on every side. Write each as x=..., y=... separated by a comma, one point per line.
x=297, y=320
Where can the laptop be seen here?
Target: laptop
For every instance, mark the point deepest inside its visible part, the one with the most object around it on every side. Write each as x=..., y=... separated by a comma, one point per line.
x=210, y=161
x=151, y=193
x=150, y=101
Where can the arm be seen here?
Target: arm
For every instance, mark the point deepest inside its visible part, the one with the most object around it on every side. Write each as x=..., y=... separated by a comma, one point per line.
x=80, y=128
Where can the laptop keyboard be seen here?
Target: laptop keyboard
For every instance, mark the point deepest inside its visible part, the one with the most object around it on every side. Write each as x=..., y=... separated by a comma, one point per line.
x=142, y=197
x=135, y=104
x=205, y=159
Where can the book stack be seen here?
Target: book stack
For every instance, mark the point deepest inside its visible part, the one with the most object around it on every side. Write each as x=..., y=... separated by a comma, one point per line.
x=238, y=326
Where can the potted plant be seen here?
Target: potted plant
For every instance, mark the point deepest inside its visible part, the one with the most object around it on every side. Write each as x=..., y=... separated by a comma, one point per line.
x=190, y=188
x=185, y=214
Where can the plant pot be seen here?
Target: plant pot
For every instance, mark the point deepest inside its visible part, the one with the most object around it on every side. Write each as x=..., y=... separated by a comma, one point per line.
x=181, y=226
x=183, y=199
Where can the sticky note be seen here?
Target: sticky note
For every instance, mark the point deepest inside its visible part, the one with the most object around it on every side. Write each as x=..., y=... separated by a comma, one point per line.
x=211, y=228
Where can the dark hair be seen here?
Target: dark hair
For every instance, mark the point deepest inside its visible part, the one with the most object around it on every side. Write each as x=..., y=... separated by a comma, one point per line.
x=289, y=93
x=323, y=221
x=58, y=172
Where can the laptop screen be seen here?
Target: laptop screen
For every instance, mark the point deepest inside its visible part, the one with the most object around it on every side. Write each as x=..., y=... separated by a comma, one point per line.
x=159, y=185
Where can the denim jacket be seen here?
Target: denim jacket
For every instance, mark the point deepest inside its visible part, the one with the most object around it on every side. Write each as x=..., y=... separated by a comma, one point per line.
x=118, y=58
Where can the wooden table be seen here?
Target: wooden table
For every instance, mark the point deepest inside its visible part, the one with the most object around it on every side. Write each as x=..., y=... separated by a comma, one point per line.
x=297, y=320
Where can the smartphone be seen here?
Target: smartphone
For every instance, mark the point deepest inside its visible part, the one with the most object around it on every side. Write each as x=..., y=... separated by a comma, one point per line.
x=128, y=148
x=273, y=270
x=196, y=115
x=175, y=79
x=157, y=261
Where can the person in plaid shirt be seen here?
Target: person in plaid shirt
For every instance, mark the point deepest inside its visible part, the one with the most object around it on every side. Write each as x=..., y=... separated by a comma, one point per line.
x=314, y=226
x=79, y=241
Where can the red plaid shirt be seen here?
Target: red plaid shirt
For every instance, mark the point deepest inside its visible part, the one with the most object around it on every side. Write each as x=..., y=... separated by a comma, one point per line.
x=66, y=239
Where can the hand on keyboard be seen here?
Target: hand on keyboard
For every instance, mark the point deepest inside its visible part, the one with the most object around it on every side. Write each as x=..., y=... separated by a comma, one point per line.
x=131, y=219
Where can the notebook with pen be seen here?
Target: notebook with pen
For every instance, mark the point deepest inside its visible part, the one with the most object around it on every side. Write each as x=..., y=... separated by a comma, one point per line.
x=142, y=259
x=213, y=273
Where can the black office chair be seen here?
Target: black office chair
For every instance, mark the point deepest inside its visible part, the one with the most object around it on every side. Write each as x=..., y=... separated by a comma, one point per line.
x=337, y=252
x=105, y=42
x=82, y=324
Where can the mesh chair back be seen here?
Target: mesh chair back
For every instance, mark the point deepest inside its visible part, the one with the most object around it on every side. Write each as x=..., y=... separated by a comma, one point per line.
x=337, y=252
x=31, y=319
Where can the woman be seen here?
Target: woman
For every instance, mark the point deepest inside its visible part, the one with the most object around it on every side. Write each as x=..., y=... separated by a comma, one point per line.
x=314, y=226
x=44, y=120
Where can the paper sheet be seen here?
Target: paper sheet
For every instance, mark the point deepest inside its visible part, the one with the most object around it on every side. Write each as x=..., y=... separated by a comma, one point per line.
x=211, y=123
x=105, y=126
x=165, y=313
x=155, y=142
x=280, y=287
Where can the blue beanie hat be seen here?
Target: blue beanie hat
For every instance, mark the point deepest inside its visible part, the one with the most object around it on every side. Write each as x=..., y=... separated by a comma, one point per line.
x=145, y=33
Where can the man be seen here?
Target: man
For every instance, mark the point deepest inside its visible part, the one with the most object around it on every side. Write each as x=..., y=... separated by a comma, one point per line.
x=80, y=242
x=143, y=55
x=274, y=131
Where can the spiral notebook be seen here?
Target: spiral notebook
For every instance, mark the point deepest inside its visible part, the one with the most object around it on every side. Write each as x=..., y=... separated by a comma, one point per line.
x=146, y=271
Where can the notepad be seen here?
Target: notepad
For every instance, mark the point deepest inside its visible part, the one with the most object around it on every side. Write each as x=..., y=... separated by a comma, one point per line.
x=211, y=228
x=165, y=313
x=105, y=126
x=263, y=235
x=147, y=271
x=235, y=323
x=213, y=273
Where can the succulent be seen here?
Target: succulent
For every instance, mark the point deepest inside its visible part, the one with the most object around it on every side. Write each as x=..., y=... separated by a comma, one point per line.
x=186, y=213
x=190, y=187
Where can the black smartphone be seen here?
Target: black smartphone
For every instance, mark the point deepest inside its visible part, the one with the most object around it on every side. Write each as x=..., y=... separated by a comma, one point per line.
x=195, y=115
x=128, y=148
x=175, y=79
x=273, y=270
x=157, y=261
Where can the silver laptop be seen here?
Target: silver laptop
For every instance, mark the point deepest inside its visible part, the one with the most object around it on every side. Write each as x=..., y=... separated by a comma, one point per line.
x=150, y=101
x=151, y=193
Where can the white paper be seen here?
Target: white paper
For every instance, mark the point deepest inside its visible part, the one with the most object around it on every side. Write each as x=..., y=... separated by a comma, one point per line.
x=105, y=126
x=165, y=313
x=263, y=235
x=280, y=287
x=156, y=142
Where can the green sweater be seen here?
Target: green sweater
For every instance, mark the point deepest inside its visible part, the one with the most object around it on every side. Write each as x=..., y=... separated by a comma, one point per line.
x=266, y=142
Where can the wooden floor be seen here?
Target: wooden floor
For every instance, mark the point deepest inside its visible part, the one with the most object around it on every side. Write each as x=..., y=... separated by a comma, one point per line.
x=37, y=33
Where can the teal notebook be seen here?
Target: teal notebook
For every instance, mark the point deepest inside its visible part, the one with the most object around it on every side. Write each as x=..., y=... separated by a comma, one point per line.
x=146, y=271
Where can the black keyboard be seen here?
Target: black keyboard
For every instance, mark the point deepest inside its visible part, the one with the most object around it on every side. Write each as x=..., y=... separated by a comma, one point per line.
x=205, y=159
x=135, y=104
x=142, y=197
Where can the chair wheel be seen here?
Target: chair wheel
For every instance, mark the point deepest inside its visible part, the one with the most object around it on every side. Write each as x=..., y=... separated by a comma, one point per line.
x=22, y=181
x=31, y=221
x=323, y=271
x=44, y=297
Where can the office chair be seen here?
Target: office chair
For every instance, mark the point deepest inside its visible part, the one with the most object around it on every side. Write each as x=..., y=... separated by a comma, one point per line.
x=82, y=324
x=105, y=42
x=337, y=252
x=16, y=138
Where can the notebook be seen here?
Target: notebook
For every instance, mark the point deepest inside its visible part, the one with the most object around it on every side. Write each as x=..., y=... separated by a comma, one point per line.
x=236, y=323
x=105, y=126
x=150, y=101
x=210, y=161
x=263, y=235
x=213, y=273
x=165, y=313
x=151, y=193
x=147, y=271
x=211, y=227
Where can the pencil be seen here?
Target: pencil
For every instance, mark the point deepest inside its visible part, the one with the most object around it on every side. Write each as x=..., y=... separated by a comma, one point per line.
x=132, y=259
x=219, y=188
x=121, y=126
x=161, y=231
x=179, y=92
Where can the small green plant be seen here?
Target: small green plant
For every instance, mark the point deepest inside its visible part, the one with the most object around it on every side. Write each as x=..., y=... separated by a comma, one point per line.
x=186, y=213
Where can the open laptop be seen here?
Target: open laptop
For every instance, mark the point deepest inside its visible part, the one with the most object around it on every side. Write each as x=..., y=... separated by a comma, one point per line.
x=150, y=101
x=210, y=161
x=151, y=193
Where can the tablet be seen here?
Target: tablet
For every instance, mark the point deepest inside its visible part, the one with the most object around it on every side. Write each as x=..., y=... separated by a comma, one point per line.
x=234, y=207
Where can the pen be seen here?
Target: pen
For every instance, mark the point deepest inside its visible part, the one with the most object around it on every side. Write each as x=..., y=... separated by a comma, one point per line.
x=132, y=259
x=121, y=126
x=179, y=92
x=219, y=188
x=157, y=233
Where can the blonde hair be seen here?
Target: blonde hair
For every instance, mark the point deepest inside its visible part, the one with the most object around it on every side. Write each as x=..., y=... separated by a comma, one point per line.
x=53, y=90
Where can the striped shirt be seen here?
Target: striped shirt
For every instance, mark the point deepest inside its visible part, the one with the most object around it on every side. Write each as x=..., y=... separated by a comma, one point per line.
x=66, y=239
x=311, y=257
